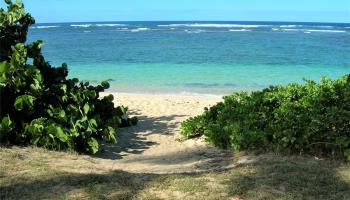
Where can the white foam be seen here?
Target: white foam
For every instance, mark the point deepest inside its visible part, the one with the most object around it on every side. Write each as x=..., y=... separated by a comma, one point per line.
x=143, y=29
x=87, y=31
x=275, y=29
x=110, y=25
x=314, y=30
x=326, y=31
x=197, y=25
x=295, y=26
x=184, y=93
x=291, y=29
x=81, y=25
x=239, y=30
x=307, y=32
x=41, y=27
x=120, y=29
x=139, y=29
x=290, y=26
x=324, y=26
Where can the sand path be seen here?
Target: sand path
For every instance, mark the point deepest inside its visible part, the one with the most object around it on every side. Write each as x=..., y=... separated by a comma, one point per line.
x=153, y=145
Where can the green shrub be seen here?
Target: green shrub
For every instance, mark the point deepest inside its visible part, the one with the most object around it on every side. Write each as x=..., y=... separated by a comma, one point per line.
x=311, y=117
x=39, y=105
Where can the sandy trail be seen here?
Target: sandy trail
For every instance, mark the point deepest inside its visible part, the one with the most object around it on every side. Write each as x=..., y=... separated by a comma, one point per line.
x=153, y=145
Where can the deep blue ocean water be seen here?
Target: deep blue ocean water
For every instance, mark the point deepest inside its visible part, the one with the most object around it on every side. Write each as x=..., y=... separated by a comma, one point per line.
x=196, y=57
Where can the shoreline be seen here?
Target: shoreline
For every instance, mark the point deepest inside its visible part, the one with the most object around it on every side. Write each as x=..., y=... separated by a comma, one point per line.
x=185, y=94
x=186, y=106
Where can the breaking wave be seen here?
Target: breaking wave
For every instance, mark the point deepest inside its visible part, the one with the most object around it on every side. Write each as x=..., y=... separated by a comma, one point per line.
x=310, y=30
x=326, y=31
x=290, y=26
x=81, y=25
x=110, y=25
x=197, y=25
x=43, y=27
x=239, y=30
x=139, y=29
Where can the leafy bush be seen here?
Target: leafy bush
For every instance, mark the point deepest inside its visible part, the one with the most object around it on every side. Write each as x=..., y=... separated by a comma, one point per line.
x=311, y=117
x=39, y=105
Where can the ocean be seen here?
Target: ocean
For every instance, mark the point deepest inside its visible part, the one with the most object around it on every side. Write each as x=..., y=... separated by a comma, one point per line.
x=196, y=58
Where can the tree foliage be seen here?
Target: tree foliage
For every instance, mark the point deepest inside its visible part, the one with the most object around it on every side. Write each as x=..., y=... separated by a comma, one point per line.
x=312, y=117
x=39, y=104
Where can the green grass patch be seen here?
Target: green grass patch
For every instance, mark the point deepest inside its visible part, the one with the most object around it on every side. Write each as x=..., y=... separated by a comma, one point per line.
x=26, y=174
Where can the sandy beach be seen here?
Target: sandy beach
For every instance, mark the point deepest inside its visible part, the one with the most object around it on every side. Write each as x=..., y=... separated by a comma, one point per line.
x=154, y=145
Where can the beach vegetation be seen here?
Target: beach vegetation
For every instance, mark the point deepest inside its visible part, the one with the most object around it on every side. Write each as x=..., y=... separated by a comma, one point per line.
x=309, y=118
x=39, y=104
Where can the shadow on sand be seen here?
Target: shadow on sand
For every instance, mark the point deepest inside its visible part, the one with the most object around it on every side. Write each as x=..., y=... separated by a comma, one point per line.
x=132, y=140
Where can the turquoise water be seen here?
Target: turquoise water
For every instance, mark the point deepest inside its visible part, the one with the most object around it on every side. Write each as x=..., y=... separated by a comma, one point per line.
x=197, y=57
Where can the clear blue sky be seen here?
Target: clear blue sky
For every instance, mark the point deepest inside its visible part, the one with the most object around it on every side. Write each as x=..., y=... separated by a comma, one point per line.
x=168, y=10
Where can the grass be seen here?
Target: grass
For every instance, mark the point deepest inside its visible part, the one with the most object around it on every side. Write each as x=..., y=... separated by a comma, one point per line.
x=25, y=173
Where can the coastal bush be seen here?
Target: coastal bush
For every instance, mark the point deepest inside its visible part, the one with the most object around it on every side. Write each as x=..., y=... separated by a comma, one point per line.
x=311, y=117
x=39, y=104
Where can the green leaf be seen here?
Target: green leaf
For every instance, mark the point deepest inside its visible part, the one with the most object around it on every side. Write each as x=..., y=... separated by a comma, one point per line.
x=61, y=135
x=124, y=109
x=35, y=139
x=36, y=126
x=19, y=55
x=93, y=145
x=62, y=114
x=6, y=125
x=105, y=85
x=35, y=87
x=64, y=88
x=24, y=102
x=93, y=123
x=36, y=129
x=86, y=108
x=57, y=131
x=3, y=67
x=111, y=135
x=39, y=43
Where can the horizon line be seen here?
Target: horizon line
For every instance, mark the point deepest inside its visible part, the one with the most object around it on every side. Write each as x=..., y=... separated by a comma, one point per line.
x=191, y=21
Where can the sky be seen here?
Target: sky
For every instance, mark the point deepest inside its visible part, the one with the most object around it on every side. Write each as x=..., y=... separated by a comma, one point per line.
x=188, y=10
